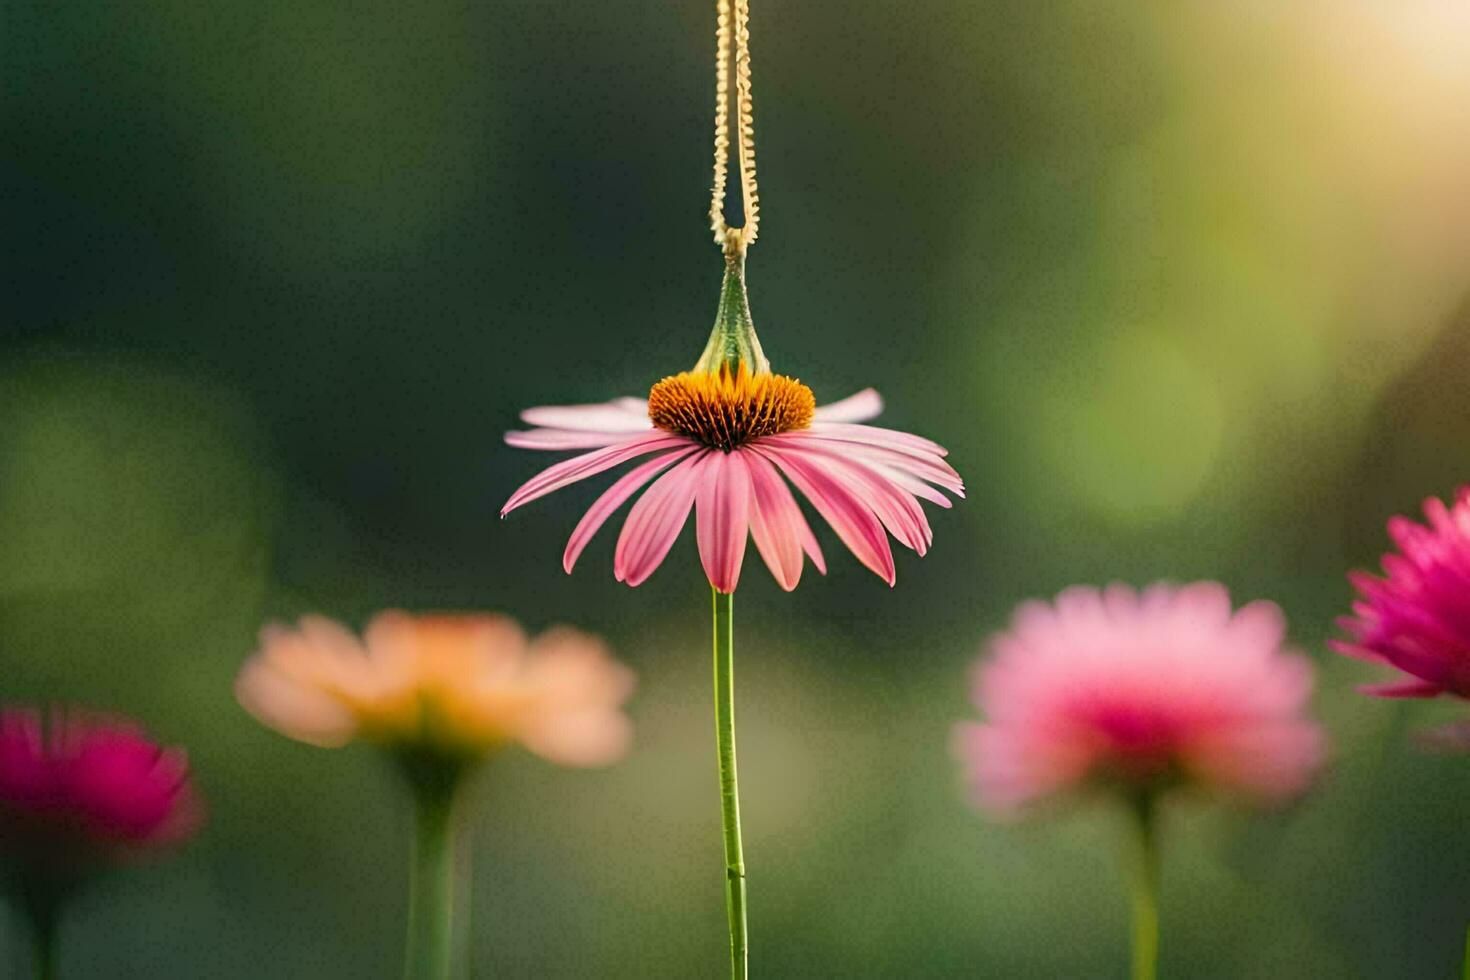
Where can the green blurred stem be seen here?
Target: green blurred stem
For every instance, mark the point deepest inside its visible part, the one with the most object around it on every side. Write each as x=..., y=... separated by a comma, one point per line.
x=724, y=628
x=1465, y=970
x=1144, y=888
x=431, y=950
x=43, y=925
x=43, y=895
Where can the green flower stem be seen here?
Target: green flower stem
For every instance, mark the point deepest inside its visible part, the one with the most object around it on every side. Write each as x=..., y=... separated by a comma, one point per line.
x=1465, y=970
x=43, y=924
x=724, y=628
x=431, y=950
x=43, y=895
x=1144, y=889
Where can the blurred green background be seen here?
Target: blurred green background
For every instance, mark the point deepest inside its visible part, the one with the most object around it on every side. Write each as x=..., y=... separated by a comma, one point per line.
x=1184, y=287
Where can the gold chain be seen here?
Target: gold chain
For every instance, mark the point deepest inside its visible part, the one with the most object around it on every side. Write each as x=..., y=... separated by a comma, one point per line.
x=734, y=240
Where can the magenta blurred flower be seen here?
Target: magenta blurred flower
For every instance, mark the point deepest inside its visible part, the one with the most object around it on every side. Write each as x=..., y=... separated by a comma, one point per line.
x=1144, y=691
x=88, y=793
x=1417, y=618
x=723, y=443
x=89, y=790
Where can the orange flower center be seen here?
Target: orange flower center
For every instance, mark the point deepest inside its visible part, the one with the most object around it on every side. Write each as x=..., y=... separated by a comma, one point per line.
x=726, y=409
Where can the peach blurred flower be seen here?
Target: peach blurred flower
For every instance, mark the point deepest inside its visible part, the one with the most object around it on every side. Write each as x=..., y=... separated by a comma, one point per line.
x=461, y=685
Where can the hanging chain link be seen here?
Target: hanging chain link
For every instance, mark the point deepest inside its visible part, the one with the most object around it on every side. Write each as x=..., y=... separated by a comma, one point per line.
x=734, y=240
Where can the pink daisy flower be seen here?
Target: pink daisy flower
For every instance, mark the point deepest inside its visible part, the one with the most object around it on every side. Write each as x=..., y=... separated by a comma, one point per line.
x=728, y=440
x=1416, y=619
x=724, y=445
x=1143, y=690
x=89, y=789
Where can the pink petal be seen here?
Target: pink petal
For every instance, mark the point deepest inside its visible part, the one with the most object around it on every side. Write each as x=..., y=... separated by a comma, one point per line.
x=925, y=466
x=589, y=464
x=860, y=407
x=655, y=521
x=1353, y=650
x=1403, y=689
x=848, y=514
x=723, y=518
x=1008, y=768
x=1259, y=626
x=931, y=469
x=894, y=506
x=618, y=415
x=914, y=485
x=553, y=439
x=1271, y=760
x=873, y=435
x=611, y=500
x=776, y=522
x=810, y=546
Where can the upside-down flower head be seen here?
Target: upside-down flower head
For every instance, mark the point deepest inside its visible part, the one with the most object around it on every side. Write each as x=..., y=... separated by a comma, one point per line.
x=728, y=440
x=87, y=790
x=454, y=685
x=1416, y=618
x=1144, y=691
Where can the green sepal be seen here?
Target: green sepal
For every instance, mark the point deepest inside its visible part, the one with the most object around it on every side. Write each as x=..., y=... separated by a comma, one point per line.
x=733, y=342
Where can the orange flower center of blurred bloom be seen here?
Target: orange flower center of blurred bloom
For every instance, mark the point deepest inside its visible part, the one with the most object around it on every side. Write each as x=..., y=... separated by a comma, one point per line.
x=435, y=690
x=726, y=409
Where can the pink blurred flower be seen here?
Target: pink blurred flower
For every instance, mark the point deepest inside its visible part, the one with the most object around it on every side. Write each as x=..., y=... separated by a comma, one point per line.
x=1417, y=618
x=458, y=684
x=724, y=443
x=89, y=789
x=1143, y=690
